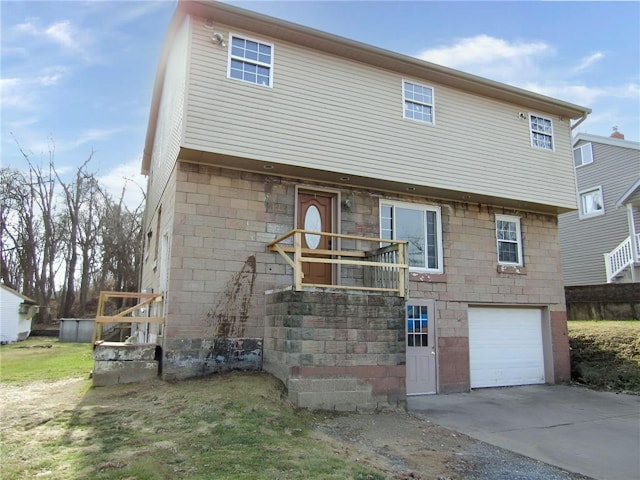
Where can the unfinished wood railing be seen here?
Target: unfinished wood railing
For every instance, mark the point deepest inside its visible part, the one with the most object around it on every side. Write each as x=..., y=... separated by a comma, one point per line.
x=385, y=268
x=124, y=317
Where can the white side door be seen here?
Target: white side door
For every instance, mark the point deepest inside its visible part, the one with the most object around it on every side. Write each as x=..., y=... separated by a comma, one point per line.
x=420, y=341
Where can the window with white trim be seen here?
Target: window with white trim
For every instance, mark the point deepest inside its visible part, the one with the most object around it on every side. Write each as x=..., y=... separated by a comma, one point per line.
x=251, y=61
x=541, y=132
x=509, y=240
x=420, y=226
x=418, y=102
x=591, y=202
x=583, y=155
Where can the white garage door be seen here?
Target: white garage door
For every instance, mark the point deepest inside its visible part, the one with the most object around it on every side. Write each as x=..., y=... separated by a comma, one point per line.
x=505, y=347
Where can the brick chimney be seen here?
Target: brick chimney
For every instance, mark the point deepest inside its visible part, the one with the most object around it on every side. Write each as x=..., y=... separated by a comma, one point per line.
x=616, y=133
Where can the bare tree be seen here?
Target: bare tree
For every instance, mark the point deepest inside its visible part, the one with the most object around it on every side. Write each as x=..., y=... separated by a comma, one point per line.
x=76, y=196
x=29, y=231
x=70, y=232
x=122, y=244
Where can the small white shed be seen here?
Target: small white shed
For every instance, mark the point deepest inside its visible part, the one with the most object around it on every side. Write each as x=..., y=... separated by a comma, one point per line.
x=16, y=312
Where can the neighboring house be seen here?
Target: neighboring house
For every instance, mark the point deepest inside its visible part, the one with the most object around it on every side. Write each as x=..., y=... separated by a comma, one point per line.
x=259, y=127
x=600, y=241
x=16, y=312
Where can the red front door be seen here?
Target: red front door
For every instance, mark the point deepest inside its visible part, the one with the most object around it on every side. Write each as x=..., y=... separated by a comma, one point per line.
x=315, y=214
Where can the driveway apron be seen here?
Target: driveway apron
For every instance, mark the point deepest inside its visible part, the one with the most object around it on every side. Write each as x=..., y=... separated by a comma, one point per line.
x=592, y=433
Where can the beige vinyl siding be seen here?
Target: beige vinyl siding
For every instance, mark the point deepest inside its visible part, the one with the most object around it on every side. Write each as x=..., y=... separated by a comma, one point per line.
x=166, y=146
x=585, y=241
x=169, y=131
x=343, y=116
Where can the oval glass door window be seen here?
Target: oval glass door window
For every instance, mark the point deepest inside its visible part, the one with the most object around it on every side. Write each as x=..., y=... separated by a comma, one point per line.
x=313, y=222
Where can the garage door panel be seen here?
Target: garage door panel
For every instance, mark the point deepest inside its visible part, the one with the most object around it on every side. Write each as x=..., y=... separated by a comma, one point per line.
x=505, y=347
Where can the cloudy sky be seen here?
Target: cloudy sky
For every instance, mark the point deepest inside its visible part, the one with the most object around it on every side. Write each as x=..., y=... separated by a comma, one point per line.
x=78, y=75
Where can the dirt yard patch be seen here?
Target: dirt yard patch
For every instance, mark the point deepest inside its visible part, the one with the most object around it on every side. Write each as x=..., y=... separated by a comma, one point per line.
x=230, y=426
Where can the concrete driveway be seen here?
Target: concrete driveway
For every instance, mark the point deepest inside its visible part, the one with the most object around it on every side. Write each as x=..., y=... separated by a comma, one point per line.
x=592, y=433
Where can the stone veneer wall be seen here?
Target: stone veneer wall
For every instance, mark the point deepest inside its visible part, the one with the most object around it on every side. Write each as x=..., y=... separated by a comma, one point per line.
x=341, y=351
x=220, y=268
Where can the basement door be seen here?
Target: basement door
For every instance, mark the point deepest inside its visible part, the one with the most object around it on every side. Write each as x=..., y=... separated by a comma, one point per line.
x=315, y=213
x=420, y=341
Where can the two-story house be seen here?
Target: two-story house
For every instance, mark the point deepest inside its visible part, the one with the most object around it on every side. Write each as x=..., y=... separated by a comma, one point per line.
x=601, y=240
x=373, y=225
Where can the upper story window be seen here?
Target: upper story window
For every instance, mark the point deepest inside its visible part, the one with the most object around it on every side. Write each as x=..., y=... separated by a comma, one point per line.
x=509, y=240
x=418, y=102
x=251, y=61
x=583, y=154
x=591, y=202
x=541, y=132
x=421, y=226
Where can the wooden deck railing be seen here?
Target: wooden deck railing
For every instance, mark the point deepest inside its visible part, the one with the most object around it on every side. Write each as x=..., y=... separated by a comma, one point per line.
x=124, y=317
x=385, y=268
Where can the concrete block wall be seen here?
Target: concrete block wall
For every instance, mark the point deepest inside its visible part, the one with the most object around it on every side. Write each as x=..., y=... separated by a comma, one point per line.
x=220, y=268
x=472, y=276
x=122, y=363
x=185, y=358
x=341, y=351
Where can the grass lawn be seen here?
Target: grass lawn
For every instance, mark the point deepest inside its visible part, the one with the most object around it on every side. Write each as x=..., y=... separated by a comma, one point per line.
x=44, y=358
x=232, y=426
x=606, y=354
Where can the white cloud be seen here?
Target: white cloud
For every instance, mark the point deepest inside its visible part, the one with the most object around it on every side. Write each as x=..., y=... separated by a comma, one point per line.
x=14, y=93
x=490, y=57
x=62, y=33
x=589, y=60
x=95, y=135
x=11, y=51
x=583, y=94
x=134, y=12
x=539, y=67
x=47, y=80
x=22, y=122
x=26, y=27
x=22, y=93
x=482, y=49
x=126, y=178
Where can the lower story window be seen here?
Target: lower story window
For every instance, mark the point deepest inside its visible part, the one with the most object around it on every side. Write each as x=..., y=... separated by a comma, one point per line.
x=509, y=240
x=420, y=226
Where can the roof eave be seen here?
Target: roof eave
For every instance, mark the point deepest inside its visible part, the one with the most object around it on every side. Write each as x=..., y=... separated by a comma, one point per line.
x=616, y=142
x=630, y=191
x=158, y=85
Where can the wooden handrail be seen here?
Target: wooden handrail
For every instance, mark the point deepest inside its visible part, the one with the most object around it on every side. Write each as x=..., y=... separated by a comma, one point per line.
x=121, y=317
x=392, y=259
